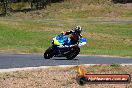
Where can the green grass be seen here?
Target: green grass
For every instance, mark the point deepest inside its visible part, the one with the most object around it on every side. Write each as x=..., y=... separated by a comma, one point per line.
x=22, y=40
x=34, y=36
x=128, y=14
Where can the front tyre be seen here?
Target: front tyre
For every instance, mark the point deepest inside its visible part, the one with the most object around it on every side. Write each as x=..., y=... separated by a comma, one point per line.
x=48, y=53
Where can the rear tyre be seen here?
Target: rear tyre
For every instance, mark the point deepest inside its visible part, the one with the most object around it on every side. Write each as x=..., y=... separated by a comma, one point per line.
x=48, y=53
x=73, y=53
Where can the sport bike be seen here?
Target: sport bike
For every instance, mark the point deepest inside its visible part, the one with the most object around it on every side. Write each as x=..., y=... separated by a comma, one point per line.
x=62, y=47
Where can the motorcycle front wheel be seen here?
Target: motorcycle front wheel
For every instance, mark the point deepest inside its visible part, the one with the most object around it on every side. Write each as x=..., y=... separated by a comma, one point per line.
x=48, y=53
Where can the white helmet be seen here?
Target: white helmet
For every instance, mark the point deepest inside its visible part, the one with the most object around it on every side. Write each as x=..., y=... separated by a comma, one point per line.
x=78, y=30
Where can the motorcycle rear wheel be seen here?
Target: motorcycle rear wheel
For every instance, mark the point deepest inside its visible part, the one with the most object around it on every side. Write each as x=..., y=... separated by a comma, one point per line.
x=73, y=53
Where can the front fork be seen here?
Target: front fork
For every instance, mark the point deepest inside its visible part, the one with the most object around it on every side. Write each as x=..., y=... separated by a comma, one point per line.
x=55, y=49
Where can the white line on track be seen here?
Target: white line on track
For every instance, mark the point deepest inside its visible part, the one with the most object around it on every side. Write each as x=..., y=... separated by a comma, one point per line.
x=32, y=68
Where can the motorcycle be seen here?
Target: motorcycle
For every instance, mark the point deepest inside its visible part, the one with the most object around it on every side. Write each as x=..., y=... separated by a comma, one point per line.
x=62, y=47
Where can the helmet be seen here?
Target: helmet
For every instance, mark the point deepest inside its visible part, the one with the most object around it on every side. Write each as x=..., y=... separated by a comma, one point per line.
x=78, y=30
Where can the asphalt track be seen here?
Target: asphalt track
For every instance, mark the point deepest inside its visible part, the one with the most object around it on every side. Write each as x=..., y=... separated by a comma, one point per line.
x=8, y=61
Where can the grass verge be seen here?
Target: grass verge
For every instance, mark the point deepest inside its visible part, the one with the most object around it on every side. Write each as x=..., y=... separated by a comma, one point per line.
x=34, y=36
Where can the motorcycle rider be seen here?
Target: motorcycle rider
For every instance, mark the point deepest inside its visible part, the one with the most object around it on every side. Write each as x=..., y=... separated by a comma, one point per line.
x=75, y=34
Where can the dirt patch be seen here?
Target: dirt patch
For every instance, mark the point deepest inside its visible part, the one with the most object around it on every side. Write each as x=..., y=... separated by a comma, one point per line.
x=56, y=77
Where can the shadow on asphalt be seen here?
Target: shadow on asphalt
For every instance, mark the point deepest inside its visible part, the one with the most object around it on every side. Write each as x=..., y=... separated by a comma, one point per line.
x=63, y=59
